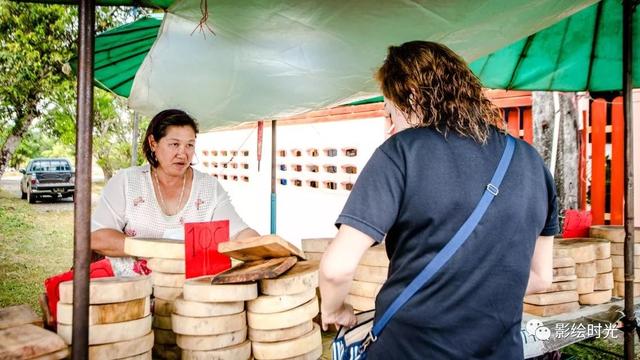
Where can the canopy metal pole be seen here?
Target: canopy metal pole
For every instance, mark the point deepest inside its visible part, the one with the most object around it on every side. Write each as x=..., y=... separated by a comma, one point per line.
x=273, y=177
x=82, y=204
x=627, y=60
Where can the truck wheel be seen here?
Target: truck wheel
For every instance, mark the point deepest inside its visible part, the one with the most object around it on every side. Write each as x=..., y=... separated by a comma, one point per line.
x=31, y=198
x=24, y=195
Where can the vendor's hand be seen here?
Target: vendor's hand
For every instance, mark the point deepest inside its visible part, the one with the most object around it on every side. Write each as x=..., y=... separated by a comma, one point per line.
x=342, y=317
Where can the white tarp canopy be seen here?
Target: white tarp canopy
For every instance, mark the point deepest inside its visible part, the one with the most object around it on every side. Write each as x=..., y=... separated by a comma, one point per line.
x=270, y=59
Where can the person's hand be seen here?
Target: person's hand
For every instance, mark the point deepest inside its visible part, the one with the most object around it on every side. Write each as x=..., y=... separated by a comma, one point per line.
x=344, y=316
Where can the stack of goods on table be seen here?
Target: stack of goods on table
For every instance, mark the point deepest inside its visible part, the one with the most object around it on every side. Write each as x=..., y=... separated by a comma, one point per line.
x=616, y=234
x=370, y=274
x=22, y=336
x=119, y=317
x=165, y=259
x=278, y=322
x=562, y=296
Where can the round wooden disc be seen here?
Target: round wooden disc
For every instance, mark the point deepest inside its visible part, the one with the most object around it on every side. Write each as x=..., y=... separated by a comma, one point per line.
x=166, y=293
x=211, y=342
x=162, y=307
x=585, y=285
x=284, y=319
x=110, y=290
x=108, y=313
x=302, y=277
x=318, y=245
x=164, y=337
x=604, y=265
x=168, y=280
x=143, y=356
x=580, y=252
x=167, y=266
x=289, y=348
x=618, y=248
x=366, y=289
x=122, y=349
x=240, y=351
x=361, y=303
x=201, y=289
x=56, y=355
x=202, y=309
x=154, y=248
x=281, y=334
x=312, y=355
x=377, y=274
x=111, y=333
x=162, y=322
x=604, y=281
x=596, y=297
x=586, y=270
x=375, y=256
x=614, y=233
x=559, y=262
x=265, y=304
x=208, y=325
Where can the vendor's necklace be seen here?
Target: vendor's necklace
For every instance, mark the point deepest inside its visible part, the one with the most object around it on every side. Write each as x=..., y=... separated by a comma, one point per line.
x=162, y=203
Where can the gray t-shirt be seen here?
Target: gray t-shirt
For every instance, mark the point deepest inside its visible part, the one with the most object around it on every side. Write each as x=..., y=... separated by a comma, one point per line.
x=415, y=192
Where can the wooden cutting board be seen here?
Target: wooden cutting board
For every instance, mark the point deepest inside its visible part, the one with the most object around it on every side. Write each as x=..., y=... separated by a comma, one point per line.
x=302, y=277
x=618, y=249
x=154, y=248
x=164, y=337
x=27, y=341
x=208, y=325
x=162, y=307
x=111, y=333
x=559, y=297
x=585, y=285
x=603, y=281
x=569, y=270
x=312, y=256
x=265, y=304
x=168, y=280
x=166, y=293
x=586, y=270
x=604, y=266
x=276, y=335
x=361, y=303
x=596, y=297
x=560, y=278
x=602, y=246
x=618, y=274
x=201, y=289
x=318, y=245
x=110, y=290
x=122, y=349
x=284, y=319
x=366, y=289
x=206, y=309
x=550, y=310
x=578, y=251
x=168, y=266
x=259, y=248
x=60, y=354
x=18, y=315
x=618, y=288
x=211, y=342
x=375, y=256
x=108, y=313
x=374, y=274
x=562, y=286
x=240, y=351
x=255, y=270
x=614, y=233
x=566, y=261
x=314, y=354
x=143, y=356
x=288, y=348
x=617, y=261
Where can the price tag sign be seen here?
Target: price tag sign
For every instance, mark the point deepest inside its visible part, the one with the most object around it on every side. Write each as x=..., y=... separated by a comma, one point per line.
x=201, y=248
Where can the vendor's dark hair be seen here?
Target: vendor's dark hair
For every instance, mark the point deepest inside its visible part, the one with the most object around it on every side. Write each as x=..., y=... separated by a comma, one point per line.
x=429, y=80
x=158, y=128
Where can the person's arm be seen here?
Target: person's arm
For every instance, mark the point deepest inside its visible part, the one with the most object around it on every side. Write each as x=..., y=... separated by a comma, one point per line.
x=337, y=267
x=541, y=272
x=108, y=242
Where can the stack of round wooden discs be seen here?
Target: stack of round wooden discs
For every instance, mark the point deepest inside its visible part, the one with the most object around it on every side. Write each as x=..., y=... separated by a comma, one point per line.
x=562, y=296
x=369, y=277
x=616, y=234
x=210, y=321
x=281, y=319
x=119, y=317
x=165, y=258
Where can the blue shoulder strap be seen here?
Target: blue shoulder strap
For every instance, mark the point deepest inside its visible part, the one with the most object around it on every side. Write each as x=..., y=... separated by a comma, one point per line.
x=454, y=244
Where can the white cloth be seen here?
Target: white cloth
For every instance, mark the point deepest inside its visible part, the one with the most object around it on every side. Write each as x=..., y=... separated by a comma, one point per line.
x=129, y=204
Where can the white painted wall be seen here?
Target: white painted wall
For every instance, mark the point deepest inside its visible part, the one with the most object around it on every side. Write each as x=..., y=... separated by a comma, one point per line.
x=302, y=212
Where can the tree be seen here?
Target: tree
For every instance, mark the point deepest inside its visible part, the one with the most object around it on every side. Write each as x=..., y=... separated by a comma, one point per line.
x=36, y=40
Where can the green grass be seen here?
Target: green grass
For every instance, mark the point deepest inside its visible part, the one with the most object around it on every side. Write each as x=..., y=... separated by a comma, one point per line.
x=33, y=246
x=596, y=349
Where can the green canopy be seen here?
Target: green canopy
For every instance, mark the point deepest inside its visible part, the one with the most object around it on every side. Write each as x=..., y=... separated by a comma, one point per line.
x=120, y=51
x=158, y=4
x=581, y=52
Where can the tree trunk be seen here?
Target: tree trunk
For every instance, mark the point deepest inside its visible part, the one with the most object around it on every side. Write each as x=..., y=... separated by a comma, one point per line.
x=13, y=140
x=566, y=166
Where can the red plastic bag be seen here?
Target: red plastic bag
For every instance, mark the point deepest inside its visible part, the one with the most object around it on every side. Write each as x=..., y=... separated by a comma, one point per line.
x=98, y=269
x=576, y=223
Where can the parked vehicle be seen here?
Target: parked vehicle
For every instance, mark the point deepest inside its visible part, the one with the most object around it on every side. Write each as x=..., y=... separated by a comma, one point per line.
x=52, y=177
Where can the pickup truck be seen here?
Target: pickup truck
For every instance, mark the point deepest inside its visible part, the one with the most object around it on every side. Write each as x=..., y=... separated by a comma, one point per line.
x=52, y=177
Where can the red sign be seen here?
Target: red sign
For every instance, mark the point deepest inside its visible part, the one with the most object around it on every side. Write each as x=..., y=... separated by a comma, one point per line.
x=201, y=248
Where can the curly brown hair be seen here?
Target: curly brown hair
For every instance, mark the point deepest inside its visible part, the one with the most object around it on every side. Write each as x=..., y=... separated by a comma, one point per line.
x=428, y=81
